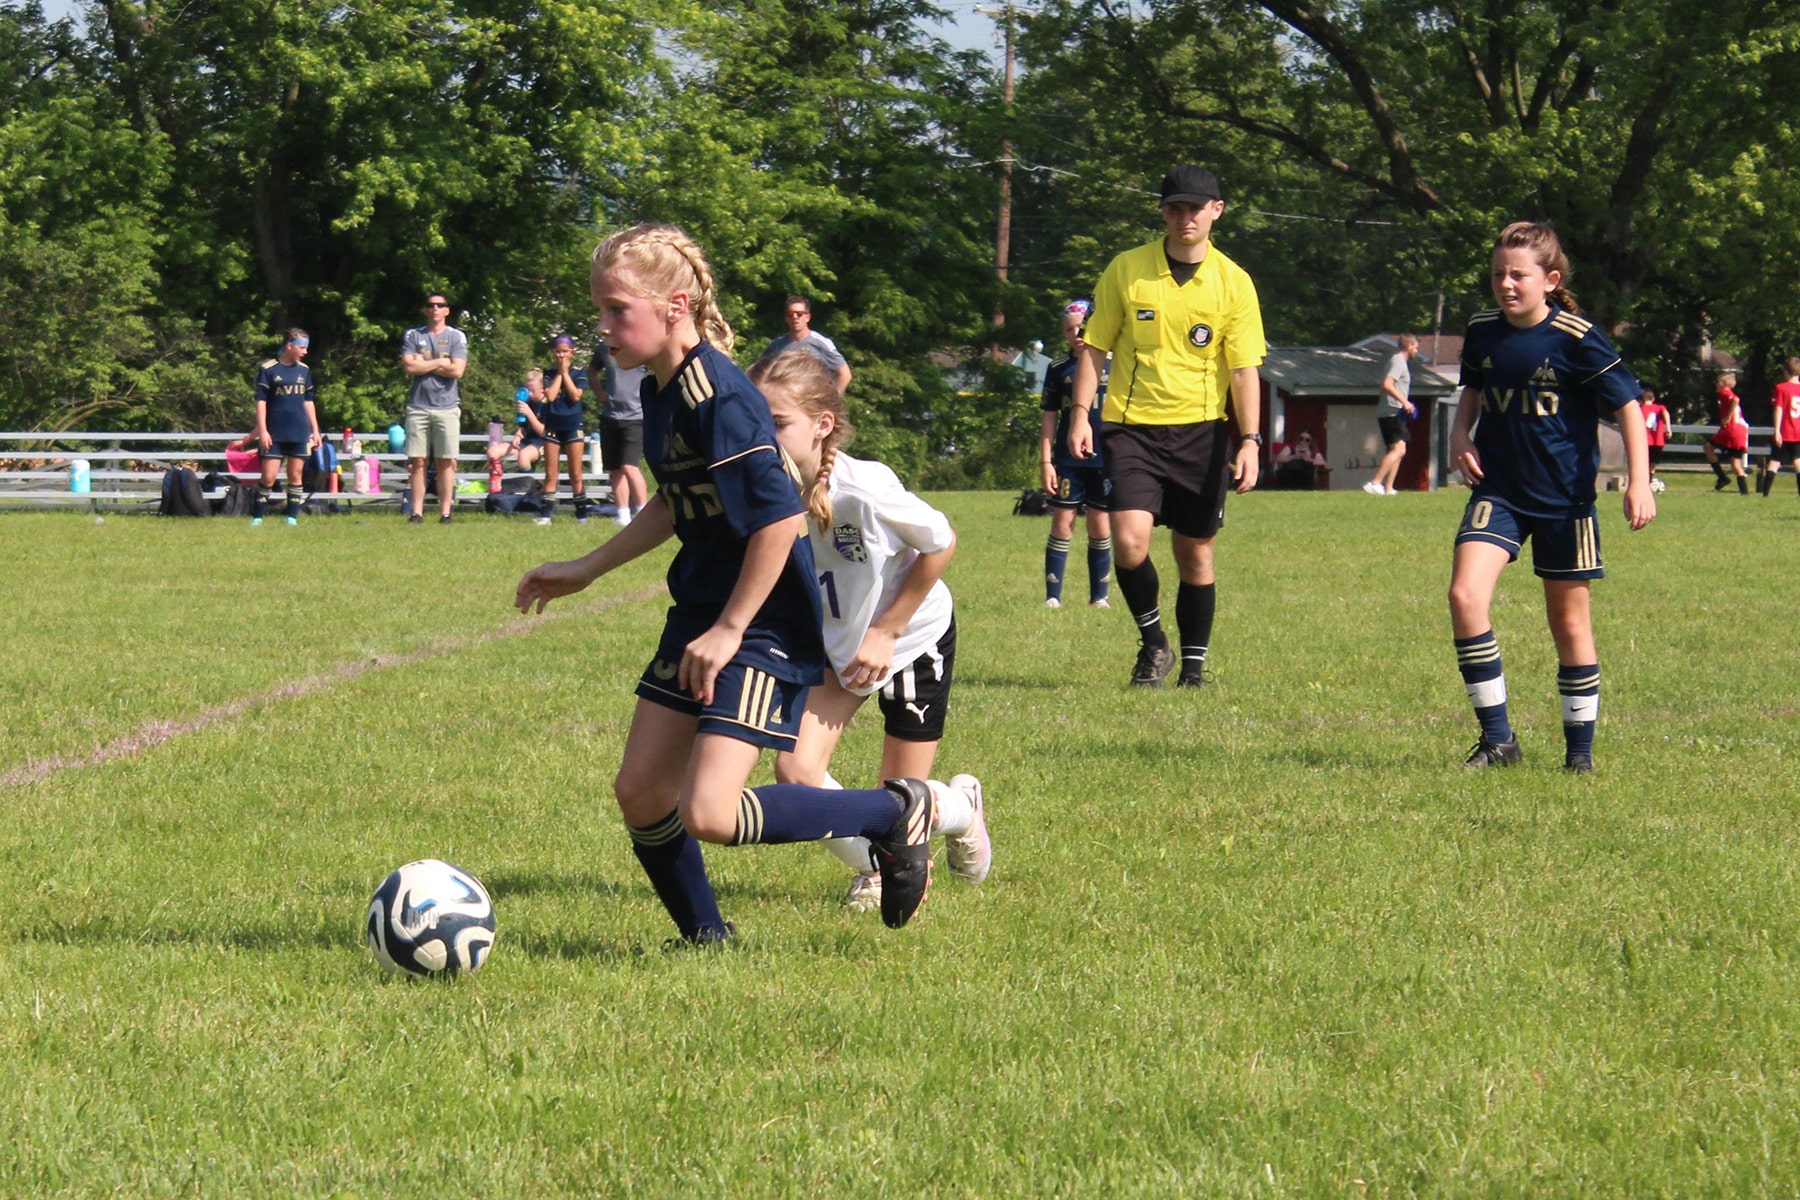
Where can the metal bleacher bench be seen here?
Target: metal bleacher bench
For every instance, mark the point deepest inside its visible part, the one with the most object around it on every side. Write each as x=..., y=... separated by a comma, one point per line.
x=127, y=469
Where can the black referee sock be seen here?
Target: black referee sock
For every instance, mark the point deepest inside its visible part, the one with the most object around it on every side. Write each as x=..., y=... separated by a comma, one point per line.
x=1194, y=603
x=1140, y=587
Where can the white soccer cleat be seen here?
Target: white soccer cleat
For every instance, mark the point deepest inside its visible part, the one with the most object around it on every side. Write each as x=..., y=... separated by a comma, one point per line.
x=971, y=852
x=1053, y=602
x=1393, y=491
x=1374, y=489
x=623, y=518
x=1100, y=603
x=864, y=894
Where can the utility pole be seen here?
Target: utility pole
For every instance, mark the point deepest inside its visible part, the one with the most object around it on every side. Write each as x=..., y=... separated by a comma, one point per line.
x=1003, y=231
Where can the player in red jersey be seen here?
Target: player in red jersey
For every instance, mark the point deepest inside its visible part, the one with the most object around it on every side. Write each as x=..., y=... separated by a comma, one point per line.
x=1732, y=438
x=1784, y=437
x=1656, y=433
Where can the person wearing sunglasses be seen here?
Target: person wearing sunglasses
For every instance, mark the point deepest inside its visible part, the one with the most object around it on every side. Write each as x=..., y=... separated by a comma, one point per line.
x=434, y=355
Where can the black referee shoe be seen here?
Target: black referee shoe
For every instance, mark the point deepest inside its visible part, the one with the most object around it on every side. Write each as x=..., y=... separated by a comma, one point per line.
x=1153, y=665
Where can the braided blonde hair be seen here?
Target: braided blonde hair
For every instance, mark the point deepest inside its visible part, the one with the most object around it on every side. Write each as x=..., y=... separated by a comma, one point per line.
x=803, y=381
x=659, y=260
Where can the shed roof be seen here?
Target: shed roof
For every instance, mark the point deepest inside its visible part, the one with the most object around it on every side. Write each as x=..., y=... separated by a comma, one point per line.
x=1343, y=371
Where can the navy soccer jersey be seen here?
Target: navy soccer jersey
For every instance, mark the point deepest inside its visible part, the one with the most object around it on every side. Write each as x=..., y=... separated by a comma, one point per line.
x=287, y=391
x=1059, y=392
x=710, y=442
x=563, y=414
x=1543, y=391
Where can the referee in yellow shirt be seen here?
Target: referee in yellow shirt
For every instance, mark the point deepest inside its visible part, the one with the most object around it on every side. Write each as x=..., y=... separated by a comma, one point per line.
x=1184, y=329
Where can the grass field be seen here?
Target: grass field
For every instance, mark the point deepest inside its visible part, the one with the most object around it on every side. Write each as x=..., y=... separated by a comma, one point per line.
x=1264, y=940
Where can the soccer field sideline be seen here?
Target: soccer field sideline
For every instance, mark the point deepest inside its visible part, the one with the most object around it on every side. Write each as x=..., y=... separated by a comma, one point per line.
x=1264, y=939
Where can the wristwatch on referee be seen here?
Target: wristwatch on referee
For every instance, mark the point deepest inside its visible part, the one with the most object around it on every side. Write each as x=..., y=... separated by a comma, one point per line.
x=1254, y=437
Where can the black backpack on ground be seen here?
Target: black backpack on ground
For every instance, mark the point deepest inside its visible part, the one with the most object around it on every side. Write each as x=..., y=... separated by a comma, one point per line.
x=239, y=498
x=1032, y=502
x=182, y=495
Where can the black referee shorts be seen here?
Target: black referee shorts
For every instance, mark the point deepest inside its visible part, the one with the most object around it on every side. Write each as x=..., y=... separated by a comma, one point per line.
x=1180, y=474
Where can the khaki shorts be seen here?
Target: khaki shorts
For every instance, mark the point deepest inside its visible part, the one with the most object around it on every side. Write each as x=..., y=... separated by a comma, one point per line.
x=433, y=432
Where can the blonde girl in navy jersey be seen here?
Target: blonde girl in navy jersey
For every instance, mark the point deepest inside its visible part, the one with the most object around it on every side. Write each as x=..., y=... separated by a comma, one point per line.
x=1537, y=376
x=741, y=644
x=890, y=626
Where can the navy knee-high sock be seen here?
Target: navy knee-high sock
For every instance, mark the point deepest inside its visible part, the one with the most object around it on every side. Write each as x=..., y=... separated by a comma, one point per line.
x=672, y=859
x=1099, y=569
x=1140, y=587
x=295, y=494
x=1056, y=565
x=1478, y=658
x=1580, y=688
x=793, y=812
x=261, y=507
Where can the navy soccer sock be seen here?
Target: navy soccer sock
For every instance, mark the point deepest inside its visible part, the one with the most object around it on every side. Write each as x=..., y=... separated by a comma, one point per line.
x=261, y=508
x=1194, y=604
x=1056, y=565
x=793, y=812
x=1140, y=587
x=671, y=858
x=294, y=496
x=1099, y=569
x=1580, y=688
x=1478, y=658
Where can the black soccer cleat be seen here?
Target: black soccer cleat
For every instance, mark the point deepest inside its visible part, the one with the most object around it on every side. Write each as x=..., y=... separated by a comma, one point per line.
x=1198, y=678
x=1579, y=764
x=1494, y=754
x=904, y=855
x=710, y=937
x=1153, y=664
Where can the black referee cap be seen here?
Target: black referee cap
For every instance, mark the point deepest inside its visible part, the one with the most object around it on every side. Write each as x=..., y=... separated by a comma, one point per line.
x=1188, y=184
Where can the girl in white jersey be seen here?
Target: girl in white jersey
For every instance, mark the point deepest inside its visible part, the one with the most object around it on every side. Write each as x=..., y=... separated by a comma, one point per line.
x=880, y=552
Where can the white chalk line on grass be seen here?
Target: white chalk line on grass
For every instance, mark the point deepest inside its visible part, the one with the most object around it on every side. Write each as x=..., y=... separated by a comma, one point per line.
x=154, y=733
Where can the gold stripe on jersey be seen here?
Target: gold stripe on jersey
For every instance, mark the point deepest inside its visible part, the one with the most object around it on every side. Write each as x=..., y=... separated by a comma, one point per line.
x=696, y=387
x=742, y=454
x=1587, y=544
x=750, y=819
x=1569, y=323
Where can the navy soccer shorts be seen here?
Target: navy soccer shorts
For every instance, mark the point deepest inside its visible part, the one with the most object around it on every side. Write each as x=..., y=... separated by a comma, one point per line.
x=1082, y=488
x=281, y=450
x=748, y=704
x=1566, y=547
x=564, y=437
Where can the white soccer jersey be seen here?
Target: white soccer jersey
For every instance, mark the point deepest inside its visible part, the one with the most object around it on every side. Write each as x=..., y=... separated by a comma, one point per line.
x=878, y=529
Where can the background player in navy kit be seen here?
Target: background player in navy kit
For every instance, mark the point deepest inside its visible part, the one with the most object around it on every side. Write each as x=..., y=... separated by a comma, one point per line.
x=564, y=424
x=889, y=620
x=1073, y=483
x=1538, y=376
x=741, y=643
x=287, y=424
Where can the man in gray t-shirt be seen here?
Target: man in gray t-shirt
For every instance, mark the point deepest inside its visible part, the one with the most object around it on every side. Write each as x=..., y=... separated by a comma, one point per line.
x=800, y=336
x=434, y=356
x=1392, y=412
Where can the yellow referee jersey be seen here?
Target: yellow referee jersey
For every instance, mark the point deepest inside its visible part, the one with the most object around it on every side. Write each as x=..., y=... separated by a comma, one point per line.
x=1174, y=348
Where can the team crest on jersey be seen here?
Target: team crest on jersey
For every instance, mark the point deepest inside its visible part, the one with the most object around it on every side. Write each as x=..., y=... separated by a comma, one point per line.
x=1201, y=335
x=848, y=541
x=1545, y=374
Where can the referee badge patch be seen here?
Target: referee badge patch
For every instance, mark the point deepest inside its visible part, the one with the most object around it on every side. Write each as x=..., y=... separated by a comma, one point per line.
x=848, y=540
x=1146, y=314
x=1201, y=335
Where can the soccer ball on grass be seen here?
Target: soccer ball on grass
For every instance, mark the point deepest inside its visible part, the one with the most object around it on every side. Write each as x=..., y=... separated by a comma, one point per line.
x=431, y=917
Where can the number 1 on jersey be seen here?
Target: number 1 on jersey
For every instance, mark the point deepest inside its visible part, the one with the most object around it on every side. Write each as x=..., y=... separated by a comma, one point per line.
x=831, y=601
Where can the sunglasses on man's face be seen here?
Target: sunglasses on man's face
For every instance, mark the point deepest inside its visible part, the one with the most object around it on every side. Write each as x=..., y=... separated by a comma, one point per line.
x=436, y=304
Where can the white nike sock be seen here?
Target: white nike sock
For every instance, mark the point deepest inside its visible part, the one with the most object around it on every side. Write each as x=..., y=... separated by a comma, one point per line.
x=955, y=811
x=853, y=852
